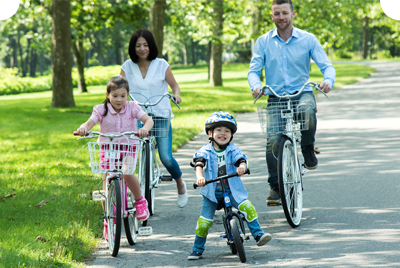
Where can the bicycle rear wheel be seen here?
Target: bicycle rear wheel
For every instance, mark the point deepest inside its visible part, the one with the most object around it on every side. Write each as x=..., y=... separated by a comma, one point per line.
x=113, y=215
x=237, y=239
x=290, y=185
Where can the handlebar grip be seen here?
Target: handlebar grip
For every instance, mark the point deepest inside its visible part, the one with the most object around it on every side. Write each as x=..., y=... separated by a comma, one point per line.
x=195, y=186
x=247, y=171
x=76, y=133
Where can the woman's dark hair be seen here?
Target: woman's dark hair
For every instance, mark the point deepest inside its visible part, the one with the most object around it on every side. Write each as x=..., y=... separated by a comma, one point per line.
x=150, y=42
x=114, y=83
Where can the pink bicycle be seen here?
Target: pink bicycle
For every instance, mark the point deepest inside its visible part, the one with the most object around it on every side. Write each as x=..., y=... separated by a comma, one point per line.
x=116, y=159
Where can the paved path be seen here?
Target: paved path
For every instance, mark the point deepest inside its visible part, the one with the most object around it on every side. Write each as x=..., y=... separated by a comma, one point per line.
x=351, y=202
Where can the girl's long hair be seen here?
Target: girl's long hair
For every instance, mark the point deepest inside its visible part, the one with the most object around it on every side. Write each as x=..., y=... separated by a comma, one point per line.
x=114, y=83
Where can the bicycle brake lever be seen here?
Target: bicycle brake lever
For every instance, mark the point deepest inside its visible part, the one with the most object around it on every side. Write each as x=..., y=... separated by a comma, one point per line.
x=173, y=99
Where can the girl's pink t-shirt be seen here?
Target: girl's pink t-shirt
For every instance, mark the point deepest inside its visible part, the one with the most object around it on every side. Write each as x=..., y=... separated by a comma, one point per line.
x=115, y=122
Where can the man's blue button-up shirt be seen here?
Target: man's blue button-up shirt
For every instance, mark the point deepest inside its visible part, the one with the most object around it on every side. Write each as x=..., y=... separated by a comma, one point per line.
x=287, y=64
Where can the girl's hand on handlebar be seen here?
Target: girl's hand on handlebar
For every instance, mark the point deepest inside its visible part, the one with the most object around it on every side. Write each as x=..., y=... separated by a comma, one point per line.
x=201, y=181
x=82, y=131
x=325, y=87
x=143, y=132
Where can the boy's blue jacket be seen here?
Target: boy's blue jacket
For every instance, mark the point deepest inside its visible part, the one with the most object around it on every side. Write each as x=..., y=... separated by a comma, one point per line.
x=210, y=171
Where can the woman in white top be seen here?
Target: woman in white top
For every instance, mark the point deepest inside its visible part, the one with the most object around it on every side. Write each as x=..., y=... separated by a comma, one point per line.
x=150, y=76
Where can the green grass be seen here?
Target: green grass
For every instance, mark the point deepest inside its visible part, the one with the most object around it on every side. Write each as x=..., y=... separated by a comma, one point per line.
x=41, y=160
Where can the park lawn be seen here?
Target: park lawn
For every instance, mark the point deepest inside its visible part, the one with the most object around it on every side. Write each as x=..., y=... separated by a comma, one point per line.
x=42, y=161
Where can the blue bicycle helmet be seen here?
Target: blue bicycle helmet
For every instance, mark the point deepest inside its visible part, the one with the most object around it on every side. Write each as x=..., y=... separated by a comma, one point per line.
x=221, y=119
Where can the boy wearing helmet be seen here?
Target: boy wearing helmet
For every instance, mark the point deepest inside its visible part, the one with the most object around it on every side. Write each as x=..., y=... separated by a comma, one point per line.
x=216, y=159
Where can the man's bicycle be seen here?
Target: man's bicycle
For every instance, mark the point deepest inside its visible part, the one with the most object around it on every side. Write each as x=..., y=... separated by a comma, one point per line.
x=150, y=172
x=115, y=159
x=232, y=220
x=286, y=118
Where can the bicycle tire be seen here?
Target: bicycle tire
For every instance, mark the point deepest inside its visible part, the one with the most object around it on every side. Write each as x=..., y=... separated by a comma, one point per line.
x=114, y=217
x=131, y=228
x=290, y=183
x=153, y=174
x=147, y=179
x=237, y=239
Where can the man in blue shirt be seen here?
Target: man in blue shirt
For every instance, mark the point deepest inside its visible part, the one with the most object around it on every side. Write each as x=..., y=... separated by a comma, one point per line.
x=286, y=52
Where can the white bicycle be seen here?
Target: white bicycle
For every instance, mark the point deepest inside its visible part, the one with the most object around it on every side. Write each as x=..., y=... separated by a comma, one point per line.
x=287, y=117
x=150, y=170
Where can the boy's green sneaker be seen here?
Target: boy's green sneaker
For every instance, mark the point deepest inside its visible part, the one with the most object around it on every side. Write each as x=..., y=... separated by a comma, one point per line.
x=195, y=256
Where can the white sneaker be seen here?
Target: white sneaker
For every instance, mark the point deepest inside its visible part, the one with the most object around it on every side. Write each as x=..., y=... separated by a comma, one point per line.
x=183, y=198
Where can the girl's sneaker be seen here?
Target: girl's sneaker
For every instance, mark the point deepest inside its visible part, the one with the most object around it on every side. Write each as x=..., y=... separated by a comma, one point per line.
x=105, y=232
x=142, y=212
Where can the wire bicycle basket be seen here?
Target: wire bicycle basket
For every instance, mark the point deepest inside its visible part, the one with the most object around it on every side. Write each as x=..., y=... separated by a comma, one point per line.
x=162, y=121
x=121, y=157
x=274, y=115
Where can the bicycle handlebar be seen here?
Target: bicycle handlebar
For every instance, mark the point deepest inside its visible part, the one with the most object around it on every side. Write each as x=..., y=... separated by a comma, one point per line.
x=91, y=134
x=147, y=104
x=222, y=178
x=288, y=96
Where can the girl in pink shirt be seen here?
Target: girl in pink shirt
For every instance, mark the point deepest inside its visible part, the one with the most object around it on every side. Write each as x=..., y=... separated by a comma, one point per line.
x=118, y=115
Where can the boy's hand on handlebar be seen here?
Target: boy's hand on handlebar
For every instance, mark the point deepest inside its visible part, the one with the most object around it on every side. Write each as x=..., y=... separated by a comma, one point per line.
x=240, y=170
x=325, y=87
x=256, y=92
x=143, y=132
x=201, y=181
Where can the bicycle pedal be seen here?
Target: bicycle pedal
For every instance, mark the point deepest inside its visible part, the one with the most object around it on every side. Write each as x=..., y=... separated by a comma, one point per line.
x=145, y=231
x=274, y=204
x=165, y=178
x=99, y=195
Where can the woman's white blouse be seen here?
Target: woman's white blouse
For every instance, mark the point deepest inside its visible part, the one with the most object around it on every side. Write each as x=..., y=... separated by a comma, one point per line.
x=151, y=87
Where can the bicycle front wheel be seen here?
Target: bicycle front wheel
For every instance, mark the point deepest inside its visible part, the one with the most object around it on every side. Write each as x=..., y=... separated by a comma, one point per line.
x=146, y=180
x=289, y=178
x=113, y=215
x=238, y=240
x=131, y=228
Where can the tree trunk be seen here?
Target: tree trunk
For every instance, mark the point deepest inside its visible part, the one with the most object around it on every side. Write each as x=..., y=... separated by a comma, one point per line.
x=79, y=58
x=33, y=63
x=61, y=54
x=193, y=54
x=27, y=57
x=217, y=46
x=156, y=23
x=21, y=57
x=14, y=59
x=41, y=63
x=209, y=59
x=185, y=53
x=96, y=44
x=365, y=37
